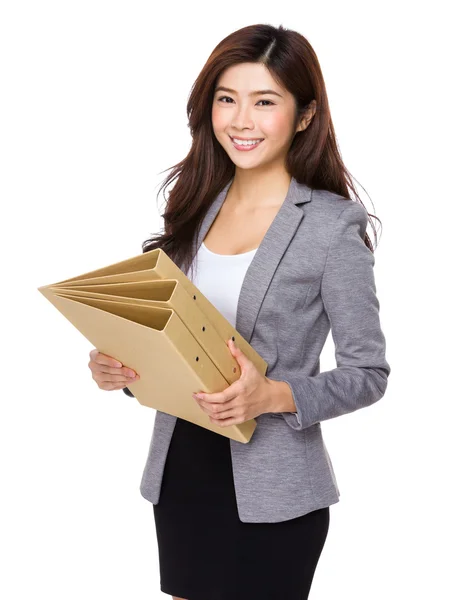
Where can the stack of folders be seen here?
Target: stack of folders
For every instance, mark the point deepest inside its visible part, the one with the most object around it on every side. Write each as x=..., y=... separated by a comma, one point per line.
x=146, y=313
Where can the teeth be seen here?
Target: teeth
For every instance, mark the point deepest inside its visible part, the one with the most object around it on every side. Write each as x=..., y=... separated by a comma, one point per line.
x=245, y=143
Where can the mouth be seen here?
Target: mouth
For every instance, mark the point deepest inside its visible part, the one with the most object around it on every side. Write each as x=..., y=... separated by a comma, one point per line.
x=246, y=145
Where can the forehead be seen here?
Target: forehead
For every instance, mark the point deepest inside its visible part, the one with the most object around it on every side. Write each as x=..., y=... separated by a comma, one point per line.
x=245, y=78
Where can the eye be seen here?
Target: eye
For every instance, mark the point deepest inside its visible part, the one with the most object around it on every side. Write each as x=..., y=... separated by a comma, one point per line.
x=222, y=97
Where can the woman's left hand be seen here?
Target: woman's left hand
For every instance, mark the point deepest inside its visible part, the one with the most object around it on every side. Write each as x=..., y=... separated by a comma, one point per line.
x=245, y=399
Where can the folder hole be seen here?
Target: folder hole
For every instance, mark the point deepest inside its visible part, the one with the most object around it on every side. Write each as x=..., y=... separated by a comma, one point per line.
x=203, y=328
x=194, y=297
x=196, y=358
x=234, y=369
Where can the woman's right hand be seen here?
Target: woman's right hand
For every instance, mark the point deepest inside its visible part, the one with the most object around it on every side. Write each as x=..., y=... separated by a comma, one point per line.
x=108, y=373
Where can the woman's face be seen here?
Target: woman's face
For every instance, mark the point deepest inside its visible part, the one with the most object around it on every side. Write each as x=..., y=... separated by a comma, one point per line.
x=242, y=111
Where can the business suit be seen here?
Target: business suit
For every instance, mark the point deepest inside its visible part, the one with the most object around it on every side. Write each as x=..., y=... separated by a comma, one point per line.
x=312, y=271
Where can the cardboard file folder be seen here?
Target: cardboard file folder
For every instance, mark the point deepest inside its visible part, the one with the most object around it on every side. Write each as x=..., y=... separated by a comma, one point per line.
x=147, y=314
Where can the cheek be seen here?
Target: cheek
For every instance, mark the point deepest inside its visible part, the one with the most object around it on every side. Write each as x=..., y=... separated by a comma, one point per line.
x=276, y=125
x=218, y=120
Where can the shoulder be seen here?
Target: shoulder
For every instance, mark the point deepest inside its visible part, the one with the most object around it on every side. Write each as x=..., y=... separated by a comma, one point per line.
x=331, y=211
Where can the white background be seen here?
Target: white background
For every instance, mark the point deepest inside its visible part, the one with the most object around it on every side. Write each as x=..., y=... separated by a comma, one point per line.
x=93, y=111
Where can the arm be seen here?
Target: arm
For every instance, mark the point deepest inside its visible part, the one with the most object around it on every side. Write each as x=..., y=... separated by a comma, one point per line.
x=349, y=296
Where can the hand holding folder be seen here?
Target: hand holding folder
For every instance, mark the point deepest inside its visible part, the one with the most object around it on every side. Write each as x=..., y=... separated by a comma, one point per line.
x=146, y=313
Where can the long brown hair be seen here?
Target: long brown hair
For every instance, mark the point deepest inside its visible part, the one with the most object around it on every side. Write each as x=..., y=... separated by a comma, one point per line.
x=313, y=158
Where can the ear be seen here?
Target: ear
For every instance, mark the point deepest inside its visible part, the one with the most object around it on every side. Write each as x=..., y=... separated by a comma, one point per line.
x=307, y=116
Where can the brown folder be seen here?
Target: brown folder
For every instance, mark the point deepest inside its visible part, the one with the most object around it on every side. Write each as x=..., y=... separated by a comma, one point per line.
x=146, y=313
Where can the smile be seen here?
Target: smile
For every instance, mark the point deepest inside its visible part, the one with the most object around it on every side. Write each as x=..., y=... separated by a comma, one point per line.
x=247, y=145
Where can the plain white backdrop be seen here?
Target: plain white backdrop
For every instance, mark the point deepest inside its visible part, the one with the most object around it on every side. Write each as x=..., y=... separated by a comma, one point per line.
x=93, y=111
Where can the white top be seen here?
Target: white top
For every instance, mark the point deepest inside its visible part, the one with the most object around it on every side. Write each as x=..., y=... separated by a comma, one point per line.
x=220, y=277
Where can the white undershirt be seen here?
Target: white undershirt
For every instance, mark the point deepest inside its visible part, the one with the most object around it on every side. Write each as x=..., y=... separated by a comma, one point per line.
x=220, y=277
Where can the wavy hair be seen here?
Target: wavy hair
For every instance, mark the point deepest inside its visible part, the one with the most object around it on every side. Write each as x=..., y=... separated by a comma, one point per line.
x=313, y=159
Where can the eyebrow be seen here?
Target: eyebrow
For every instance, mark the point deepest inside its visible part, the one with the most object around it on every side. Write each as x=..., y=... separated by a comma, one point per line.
x=256, y=93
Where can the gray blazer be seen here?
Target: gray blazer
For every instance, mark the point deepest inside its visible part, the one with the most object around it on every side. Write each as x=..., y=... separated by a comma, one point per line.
x=311, y=273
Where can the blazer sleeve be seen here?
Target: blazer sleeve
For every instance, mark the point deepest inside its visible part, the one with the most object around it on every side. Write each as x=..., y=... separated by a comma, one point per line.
x=348, y=294
x=128, y=392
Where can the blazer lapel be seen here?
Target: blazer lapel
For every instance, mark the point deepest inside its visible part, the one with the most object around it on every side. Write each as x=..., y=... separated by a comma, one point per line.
x=269, y=253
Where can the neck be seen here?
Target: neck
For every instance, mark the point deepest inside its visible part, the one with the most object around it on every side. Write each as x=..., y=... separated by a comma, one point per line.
x=251, y=190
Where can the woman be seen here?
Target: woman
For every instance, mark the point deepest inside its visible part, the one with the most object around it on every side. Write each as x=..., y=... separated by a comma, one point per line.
x=261, y=220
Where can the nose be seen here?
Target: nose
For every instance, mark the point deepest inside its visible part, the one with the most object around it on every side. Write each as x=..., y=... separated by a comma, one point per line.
x=242, y=118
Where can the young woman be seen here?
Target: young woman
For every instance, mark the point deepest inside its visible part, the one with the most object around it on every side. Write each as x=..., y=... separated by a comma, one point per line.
x=261, y=219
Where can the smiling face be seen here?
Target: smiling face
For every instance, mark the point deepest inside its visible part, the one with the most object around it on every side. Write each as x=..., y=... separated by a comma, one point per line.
x=244, y=108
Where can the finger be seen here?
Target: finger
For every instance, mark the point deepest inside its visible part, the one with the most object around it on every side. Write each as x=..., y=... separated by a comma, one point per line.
x=101, y=368
x=104, y=359
x=109, y=386
x=95, y=354
x=108, y=377
x=226, y=422
x=219, y=411
x=232, y=413
x=230, y=393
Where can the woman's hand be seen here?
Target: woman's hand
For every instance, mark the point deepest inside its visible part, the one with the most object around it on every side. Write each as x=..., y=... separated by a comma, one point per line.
x=108, y=373
x=244, y=399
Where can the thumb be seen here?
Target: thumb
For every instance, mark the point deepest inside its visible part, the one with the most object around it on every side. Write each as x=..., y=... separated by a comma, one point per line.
x=237, y=353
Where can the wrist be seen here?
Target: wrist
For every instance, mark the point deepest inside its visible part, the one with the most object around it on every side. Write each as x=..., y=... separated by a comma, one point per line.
x=280, y=397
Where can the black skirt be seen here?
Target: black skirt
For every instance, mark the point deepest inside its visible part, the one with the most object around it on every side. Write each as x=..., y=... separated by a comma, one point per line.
x=205, y=551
